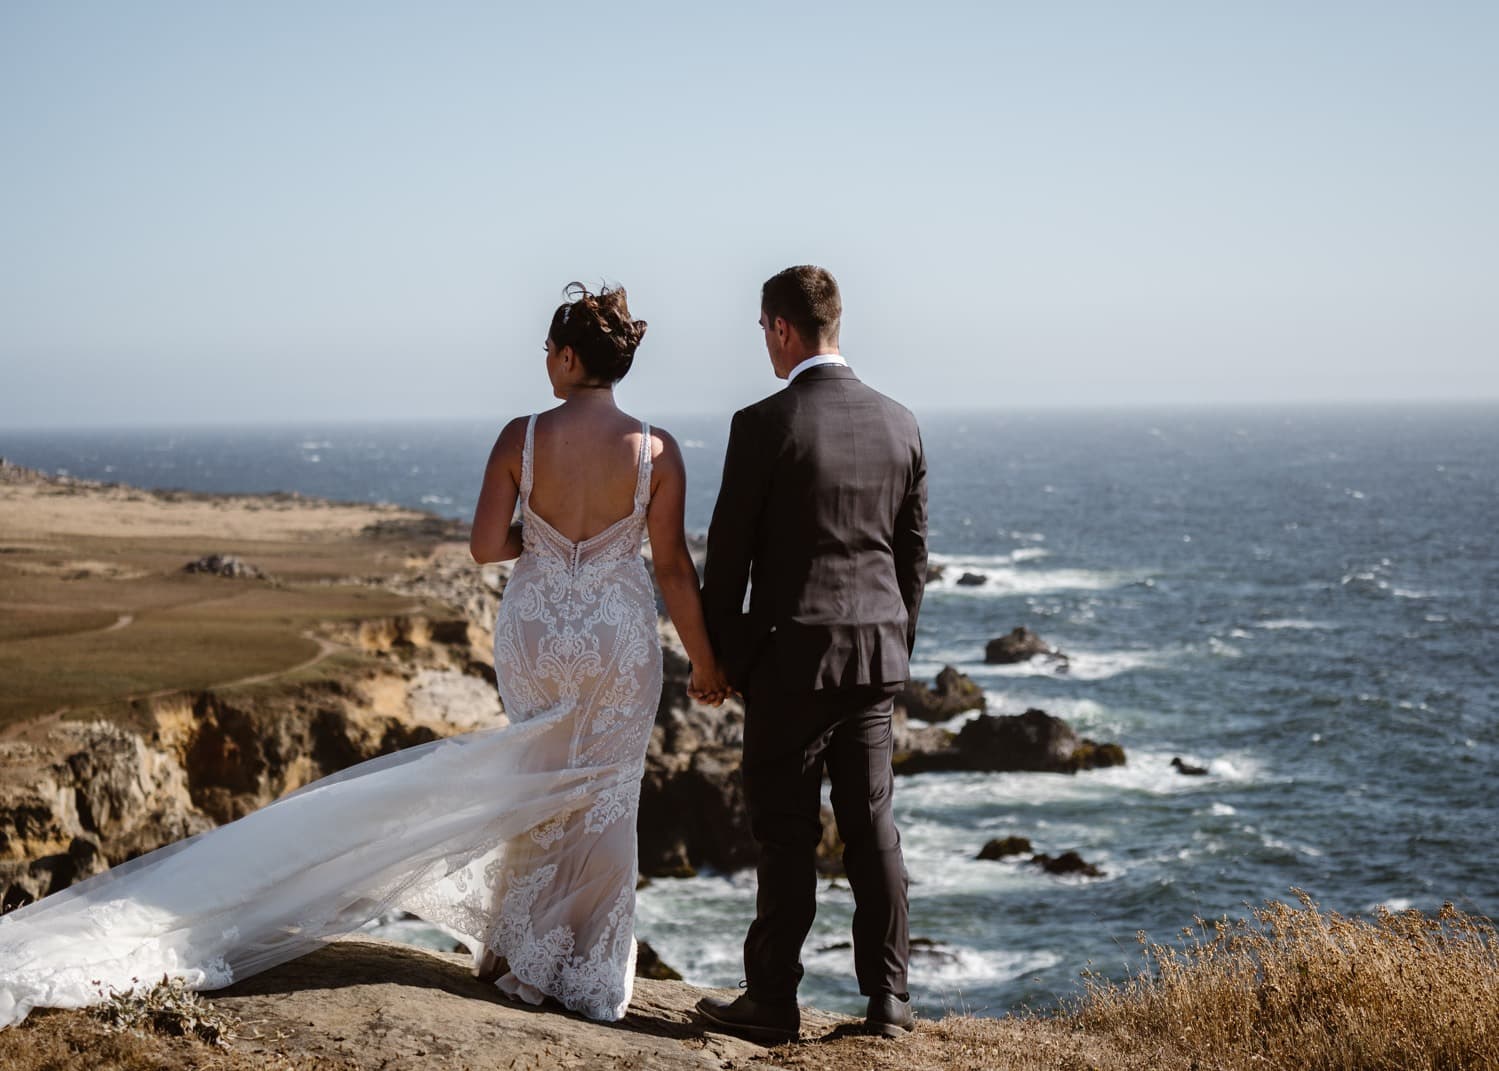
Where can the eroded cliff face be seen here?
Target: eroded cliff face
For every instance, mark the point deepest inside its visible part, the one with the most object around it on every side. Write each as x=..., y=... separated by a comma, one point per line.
x=79, y=796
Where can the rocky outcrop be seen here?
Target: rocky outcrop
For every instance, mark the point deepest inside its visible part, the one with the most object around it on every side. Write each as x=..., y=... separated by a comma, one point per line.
x=692, y=811
x=1004, y=847
x=955, y=693
x=1021, y=645
x=1067, y=864
x=369, y=1004
x=1187, y=769
x=971, y=580
x=909, y=739
x=648, y=964
x=79, y=796
x=226, y=565
x=1033, y=741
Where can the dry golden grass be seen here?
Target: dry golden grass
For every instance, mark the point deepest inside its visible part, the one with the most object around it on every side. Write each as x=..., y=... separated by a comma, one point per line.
x=1295, y=987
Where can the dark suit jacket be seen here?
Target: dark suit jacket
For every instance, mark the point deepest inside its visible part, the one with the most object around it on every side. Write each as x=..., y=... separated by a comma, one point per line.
x=822, y=512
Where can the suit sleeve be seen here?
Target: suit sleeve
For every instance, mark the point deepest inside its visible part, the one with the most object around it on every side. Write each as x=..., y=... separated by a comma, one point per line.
x=910, y=544
x=732, y=533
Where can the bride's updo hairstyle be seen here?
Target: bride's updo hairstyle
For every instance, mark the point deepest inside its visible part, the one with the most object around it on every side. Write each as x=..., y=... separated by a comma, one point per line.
x=599, y=329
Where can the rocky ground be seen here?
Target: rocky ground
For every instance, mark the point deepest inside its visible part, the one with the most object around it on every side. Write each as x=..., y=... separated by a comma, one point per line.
x=363, y=1005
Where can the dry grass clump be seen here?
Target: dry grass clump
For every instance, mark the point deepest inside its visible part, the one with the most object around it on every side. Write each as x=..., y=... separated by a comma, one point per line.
x=1298, y=988
x=168, y=1007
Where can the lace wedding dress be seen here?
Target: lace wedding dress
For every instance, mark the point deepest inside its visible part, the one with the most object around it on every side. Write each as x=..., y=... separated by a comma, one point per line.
x=519, y=840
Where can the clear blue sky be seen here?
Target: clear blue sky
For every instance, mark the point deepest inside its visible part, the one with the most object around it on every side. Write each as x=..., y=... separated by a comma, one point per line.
x=295, y=211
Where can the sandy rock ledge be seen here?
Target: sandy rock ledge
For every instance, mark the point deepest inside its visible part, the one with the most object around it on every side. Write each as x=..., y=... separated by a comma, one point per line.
x=362, y=1003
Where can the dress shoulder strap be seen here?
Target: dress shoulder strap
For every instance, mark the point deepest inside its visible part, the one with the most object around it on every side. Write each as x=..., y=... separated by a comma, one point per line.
x=643, y=479
x=527, y=456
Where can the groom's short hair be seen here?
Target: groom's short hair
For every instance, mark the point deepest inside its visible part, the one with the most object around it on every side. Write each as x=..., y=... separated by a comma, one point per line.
x=807, y=298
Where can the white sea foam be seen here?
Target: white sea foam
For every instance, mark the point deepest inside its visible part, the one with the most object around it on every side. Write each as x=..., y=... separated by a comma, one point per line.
x=1013, y=574
x=1146, y=772
x=1080, y=665
x=1295, y=623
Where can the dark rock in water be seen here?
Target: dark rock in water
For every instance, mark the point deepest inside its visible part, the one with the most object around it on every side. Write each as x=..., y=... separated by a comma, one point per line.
x=1010, y=742
x=934, y=572
x=1003, y=847
x=648, y=965
x=1093, y=756
x=1066, y=863
x=1187, y=768
x=972, y=580
x=1019, y=645
x=225, y=565
x=955, y=694
x=926, y=948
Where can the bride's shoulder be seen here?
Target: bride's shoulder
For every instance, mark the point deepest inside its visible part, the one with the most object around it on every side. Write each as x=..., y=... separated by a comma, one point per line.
x=513, y=434
x=663, y=443
x=510, y=443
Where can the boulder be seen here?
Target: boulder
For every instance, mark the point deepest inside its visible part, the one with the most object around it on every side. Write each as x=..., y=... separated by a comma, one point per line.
x=1033, y=741
x=1004, y=847
x=1065, y=864
x=972, y=580
x=1019, y=645
x=908, y=739
x=934, y=572
x=648, y=965
x=954, y=694
x=225, y=565
x=1187, y=769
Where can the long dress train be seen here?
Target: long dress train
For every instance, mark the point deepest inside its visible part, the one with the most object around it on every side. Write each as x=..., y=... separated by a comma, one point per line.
x=521, y=839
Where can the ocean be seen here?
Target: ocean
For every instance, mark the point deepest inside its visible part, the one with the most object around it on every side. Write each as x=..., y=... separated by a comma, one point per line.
x=1302, y=601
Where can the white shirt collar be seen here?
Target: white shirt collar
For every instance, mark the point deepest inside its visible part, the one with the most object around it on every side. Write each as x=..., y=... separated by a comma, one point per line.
x=813, y=362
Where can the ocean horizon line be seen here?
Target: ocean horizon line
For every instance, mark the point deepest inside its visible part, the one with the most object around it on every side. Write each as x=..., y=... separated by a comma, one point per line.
x=1168, y=408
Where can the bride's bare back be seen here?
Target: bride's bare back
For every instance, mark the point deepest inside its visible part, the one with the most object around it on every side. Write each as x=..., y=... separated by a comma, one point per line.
x=585, y=467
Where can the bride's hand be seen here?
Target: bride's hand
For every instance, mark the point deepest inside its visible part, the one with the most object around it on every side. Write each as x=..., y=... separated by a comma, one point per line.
x=708, y=685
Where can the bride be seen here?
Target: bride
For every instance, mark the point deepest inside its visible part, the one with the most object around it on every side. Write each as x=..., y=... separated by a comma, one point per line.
x=519, y=840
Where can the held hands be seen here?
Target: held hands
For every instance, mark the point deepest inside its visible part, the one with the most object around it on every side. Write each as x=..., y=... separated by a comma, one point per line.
x=708, y=685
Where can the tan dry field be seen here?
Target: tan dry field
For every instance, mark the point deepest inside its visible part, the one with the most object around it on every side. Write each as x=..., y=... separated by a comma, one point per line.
x=95, y=607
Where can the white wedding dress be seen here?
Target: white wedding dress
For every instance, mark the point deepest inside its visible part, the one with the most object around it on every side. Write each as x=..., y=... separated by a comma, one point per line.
x=520, y=840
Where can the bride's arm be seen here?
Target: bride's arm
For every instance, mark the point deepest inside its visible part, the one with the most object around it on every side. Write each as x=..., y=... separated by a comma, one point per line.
x=492, y=537
x=676, y=574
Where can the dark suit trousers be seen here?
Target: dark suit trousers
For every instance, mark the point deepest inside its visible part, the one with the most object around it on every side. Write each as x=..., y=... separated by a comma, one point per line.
x=788, y=739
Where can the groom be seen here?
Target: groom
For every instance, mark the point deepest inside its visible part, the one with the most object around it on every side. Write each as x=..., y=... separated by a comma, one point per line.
x=822, y=513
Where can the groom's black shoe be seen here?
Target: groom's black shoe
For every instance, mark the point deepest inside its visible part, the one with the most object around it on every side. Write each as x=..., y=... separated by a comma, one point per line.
x=889, y=1016
x=746, y=1017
